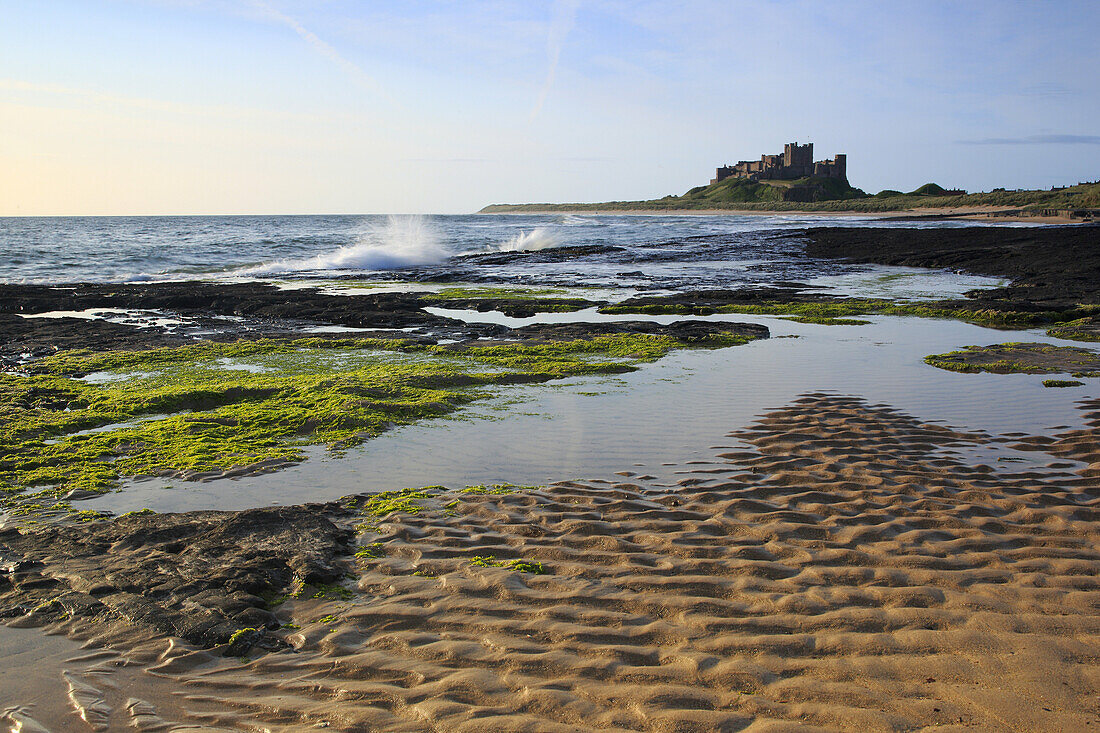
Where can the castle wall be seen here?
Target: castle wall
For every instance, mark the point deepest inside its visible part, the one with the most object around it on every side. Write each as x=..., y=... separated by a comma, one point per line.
x=796, y=161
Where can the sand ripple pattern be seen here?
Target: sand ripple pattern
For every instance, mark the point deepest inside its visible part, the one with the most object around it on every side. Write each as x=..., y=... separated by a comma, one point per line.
x=841, y=568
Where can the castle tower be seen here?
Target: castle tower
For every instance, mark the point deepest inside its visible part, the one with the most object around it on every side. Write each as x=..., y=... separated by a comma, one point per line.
x=798, y=155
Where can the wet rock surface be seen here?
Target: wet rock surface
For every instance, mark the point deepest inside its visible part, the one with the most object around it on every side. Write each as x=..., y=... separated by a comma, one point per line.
x=248, y=300
x=1050, y=267
x=1084, y=329
x=250, y=311
x=686, y=331
x=550, y=254
x=217, y=312
x=704, y=302
x=201, y=576
x=22, y=339
x=1026, y=358
x=514, y=307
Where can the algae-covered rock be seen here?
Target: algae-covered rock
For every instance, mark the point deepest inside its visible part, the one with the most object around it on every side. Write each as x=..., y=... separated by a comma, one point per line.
x=1020, y=358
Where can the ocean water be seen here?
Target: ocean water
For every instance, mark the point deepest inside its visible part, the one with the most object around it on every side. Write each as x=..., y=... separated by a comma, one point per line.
x=628, y=250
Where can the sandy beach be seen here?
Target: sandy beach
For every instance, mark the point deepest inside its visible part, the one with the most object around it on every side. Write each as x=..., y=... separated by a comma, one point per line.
x=832, y=563
x=837, y=565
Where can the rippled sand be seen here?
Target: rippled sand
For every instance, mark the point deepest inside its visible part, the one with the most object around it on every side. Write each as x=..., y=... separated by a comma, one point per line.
x=838, y=565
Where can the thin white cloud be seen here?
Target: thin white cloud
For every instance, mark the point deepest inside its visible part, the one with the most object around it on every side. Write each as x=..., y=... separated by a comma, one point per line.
x=1037, y=140
x=118, y=100
x=360, y=77
x=564, y=16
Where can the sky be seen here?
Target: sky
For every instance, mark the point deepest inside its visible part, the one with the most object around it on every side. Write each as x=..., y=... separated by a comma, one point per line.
x=122, y=107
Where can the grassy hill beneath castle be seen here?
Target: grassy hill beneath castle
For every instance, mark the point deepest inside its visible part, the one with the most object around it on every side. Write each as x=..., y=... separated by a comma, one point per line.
x=826, y=194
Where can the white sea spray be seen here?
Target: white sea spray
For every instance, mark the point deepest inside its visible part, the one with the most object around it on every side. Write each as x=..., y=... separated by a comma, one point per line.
x=402, y=241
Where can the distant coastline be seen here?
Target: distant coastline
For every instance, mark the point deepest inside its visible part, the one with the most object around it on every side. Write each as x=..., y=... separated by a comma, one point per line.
x=1073, y=203
x=970, y=213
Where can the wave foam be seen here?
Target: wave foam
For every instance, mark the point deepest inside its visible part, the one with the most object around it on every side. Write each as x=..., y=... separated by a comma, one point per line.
x=532, y=241
x=404, y=241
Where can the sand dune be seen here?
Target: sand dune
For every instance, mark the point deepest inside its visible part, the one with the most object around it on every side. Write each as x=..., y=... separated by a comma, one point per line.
x=838, y=565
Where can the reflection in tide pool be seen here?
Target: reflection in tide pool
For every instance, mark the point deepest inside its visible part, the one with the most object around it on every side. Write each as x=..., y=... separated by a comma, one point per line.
x=654, y=420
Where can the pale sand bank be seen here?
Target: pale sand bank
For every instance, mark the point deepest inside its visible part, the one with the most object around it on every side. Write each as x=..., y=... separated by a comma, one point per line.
x=837, y=565
x=993, y=214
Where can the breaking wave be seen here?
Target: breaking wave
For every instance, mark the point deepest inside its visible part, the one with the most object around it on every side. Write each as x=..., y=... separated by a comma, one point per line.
x=403, y=241
x=532, y=241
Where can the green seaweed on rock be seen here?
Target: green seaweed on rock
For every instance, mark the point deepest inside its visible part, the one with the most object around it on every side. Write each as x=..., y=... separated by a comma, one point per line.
x=372, y=551
x=1018, y=358
x=1082, y=329
x=518, y=565
x=1062, y=383
x=828, y=312
x=511, y=293
x=495, y=489
x=87, y=421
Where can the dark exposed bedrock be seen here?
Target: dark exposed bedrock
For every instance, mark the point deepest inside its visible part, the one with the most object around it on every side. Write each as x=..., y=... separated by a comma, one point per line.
x=1050, y=267
x=37, y=337
x=685, y=331
x=201, y=576
x=251, y=300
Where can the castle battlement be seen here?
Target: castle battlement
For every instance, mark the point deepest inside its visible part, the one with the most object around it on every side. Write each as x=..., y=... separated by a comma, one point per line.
x=796, y=161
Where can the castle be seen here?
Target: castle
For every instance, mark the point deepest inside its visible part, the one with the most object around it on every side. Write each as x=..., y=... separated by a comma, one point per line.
x=796, y=161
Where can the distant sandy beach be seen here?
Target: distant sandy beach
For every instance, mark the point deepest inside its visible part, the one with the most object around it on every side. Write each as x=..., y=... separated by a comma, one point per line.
x=995, y=214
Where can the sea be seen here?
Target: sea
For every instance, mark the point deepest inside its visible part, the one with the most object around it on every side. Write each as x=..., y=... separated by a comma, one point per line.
x=652, y=425
x=630, y=251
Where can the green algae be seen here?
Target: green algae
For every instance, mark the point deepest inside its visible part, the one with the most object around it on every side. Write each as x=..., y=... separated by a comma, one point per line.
x=241, y=633
x=404, y=500
x=318, y=591
x=1082, y=329
x=1018, y=358
x=495, y=489
x=823, y=321
x=829, y=311
x=89, y=515
x=139, y=512
x=1062, y=383
x=518, y=566
x=372, y=551
x=213, y=409
x=543, y=300
x=512, y=293
x=416, y=500
x=327, y=592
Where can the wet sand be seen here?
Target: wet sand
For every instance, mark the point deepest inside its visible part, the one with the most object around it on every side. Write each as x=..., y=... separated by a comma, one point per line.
x=836, y=565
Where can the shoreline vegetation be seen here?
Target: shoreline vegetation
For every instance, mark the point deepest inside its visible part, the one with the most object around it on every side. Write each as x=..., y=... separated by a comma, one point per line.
x=738, y=196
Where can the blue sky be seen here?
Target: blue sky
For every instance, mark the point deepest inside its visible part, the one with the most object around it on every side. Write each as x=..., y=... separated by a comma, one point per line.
x=284, y=106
